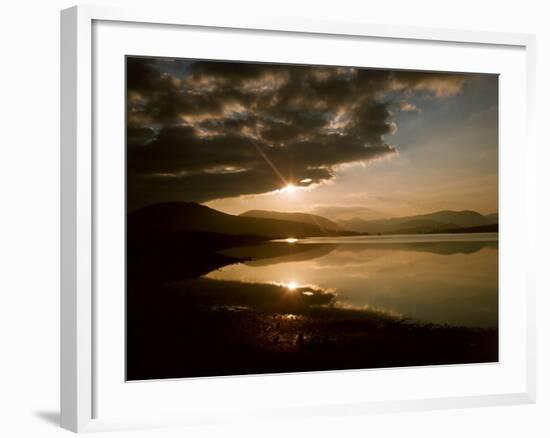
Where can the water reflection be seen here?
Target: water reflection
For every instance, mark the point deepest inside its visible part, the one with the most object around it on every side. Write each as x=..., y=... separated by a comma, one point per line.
x=291, y=240
x=311, y=305
x=454, y=281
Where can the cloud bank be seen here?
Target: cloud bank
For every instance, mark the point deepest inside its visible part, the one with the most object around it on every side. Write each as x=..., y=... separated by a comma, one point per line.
x=198, y=131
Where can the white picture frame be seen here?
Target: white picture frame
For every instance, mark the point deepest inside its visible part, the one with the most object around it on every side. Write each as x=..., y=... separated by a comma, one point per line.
x=79, y=199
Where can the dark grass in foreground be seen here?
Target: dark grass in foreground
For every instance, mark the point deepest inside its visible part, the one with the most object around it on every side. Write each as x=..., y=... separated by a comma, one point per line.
x=205, y=327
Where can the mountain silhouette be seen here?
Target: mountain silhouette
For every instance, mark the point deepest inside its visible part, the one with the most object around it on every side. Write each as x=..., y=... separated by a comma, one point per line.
x=176, y=217
x=493, y=218
x=312, y=219
x=186, y=218
x=446, y=220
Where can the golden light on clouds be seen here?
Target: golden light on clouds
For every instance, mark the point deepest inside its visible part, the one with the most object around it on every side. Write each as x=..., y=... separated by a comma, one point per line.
x=289, y=188
x=291, y=285
x=246, y=136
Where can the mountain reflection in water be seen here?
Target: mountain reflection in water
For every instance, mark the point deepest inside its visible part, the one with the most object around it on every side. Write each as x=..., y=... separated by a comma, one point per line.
x=306, y=306
x=454, y=283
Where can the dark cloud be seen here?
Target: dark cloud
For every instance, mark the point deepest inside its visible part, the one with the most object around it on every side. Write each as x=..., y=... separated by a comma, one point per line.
x=206, y=130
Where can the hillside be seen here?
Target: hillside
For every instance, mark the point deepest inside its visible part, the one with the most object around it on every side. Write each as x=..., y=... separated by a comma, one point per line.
x=439, y=221
x=491, y=228
x=493, y=218
x=177, y=217
x=311, y=219
x=183, y=218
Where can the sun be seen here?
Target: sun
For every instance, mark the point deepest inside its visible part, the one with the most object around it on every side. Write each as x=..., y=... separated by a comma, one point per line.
x=292, y=285
x=289, y=188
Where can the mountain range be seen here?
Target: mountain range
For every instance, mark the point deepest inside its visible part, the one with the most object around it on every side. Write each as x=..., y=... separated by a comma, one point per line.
x=171, y=219
x=177, y=217
x=439, y=221
x=311, y=219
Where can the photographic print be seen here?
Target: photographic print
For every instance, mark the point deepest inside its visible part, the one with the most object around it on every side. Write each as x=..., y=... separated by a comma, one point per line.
x=295, y=218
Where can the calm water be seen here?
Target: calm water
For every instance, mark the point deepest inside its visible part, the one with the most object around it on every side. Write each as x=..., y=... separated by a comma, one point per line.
x=444, y=279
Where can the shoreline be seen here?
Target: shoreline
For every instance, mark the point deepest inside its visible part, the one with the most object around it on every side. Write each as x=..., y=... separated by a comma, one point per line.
x=206, y=328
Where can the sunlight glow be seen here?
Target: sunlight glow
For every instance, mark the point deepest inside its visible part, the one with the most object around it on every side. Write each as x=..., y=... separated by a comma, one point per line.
x=291, y=240
x=289, y=188
x=292, y=285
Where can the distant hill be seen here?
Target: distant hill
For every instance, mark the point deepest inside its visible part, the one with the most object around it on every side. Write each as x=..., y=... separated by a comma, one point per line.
x=181, y=240
x=345, y=212
x=178, y=217
x=426, y=223
x=311, y=219
x=493, y=218
x=183, y=221
x=491, y=228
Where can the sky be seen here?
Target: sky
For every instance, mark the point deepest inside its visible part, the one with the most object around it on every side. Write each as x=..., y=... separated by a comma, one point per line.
x=342, y=142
